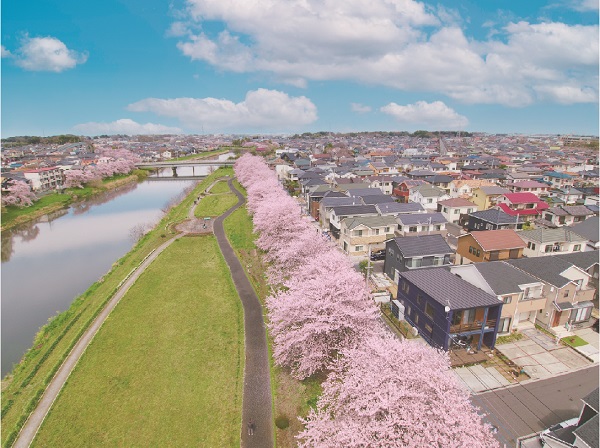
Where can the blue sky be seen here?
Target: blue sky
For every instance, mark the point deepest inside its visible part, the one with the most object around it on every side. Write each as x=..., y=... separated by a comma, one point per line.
x=279, y=66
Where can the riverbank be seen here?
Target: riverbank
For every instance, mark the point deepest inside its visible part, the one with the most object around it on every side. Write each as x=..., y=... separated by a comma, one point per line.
x=13, y=216
x=22, y=388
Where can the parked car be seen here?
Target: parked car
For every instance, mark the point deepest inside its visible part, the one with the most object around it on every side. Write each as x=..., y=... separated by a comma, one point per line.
x=378, y=255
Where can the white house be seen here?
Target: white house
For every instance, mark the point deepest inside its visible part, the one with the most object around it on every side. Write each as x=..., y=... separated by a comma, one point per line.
x=543, y=242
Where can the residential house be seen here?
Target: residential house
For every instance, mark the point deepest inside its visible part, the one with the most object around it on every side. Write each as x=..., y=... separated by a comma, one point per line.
x=442, y=306
x=346, y=211
x=589, y=229
x=566, y=287
x=415, y=252
x=384, y=183
x=543, y=242
x=454, y=208
x=326, y=205
x=427, y=195
x=567, y=215
x=492, y=219
x=441, y=181
x=557, y=180
x=402, y=189
x=568, y=195
x=528, y=186
x=396, y=208
x=489, y=245
x=526, y=206
x=43, y=179
x=485, y=197
x=520, y=293
x=463, y=188
x=358, y=233
x=315, y=198
x=414, y=224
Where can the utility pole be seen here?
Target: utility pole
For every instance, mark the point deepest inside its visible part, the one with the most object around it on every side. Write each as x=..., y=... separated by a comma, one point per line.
x=368, y=267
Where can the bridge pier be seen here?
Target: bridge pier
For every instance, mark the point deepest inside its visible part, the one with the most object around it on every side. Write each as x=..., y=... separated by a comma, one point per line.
x=174, y=171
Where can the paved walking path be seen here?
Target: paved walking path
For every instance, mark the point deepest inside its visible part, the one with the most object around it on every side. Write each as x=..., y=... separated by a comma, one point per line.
x=257, y=402
x=257, y=380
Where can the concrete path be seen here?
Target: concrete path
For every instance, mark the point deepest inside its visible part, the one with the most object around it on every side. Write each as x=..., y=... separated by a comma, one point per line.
x=36, y=418
x=257, y=401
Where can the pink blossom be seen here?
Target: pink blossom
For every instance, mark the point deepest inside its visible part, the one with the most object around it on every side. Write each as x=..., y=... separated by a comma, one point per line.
x=19, y=194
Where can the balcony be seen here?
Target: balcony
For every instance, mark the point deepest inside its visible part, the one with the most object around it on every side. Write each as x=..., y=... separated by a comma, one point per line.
x=473, y=326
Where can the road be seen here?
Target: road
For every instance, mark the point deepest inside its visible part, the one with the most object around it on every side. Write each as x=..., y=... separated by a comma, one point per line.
x=532, y=407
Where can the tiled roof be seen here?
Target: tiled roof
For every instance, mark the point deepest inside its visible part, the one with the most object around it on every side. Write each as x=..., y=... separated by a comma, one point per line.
x=457, y=202
x=551, y=235
x=528, y=211
x=370, y=221
x=494, y=190
x=495, y=216
x=376, y=199
x=397, y=207
x=423, y=245
x=503, y=277
x=421, y=218
x=498, y=239
x=365, y=192
x=336, y=202
x=353, y=210
x=448, y=289
x=547, y=269
x=588, y=432
x=588, y=229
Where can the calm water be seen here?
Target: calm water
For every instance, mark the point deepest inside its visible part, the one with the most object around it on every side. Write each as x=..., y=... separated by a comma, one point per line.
x=46, y=265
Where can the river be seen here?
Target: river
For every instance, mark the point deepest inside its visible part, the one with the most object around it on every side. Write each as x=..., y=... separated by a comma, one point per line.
x=48, y=263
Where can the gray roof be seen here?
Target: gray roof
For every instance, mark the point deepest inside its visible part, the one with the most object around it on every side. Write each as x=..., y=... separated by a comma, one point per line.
x=423, y=245
x=370, y=221
x=583, y=260
x=449, y=289
x=495, y=216
x=421, y=218
x=494, y=190
x=542, y=235
x=573, y=210
x=335, y=202
x=427, y=190
x=547, y=269
x=354, y=210
x=397, y=207
x=504, y=278
x=593, y=399
x=588, y=432
x=588, y=229
x=365, y=192
x=376, y=199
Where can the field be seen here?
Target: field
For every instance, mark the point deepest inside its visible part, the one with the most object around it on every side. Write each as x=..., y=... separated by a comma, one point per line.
x=166, y=368
x=215, y=205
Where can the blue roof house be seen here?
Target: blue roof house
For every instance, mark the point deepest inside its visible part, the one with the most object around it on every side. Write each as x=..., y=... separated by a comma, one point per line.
x=443, y=307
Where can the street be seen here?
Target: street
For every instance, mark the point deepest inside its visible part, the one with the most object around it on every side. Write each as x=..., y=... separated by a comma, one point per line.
x=532, y=407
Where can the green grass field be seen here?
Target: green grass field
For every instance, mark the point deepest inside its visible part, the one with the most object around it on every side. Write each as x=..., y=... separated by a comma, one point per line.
x=215, y=205
x=166, y=369
x=22, y=388
x=220, y=187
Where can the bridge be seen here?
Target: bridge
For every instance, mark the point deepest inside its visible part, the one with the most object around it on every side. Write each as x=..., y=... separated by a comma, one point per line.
x=176, y=164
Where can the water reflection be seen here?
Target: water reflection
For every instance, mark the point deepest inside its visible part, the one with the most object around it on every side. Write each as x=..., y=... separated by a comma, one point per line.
x=46, y=264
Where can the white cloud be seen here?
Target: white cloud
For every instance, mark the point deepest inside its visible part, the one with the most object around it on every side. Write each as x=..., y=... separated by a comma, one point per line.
x=261, y=109
x=124, y=126
x=434, y=115
x=584, y=5
x=396, y=43
x=360, y=108
x=5, y=53
x=47, y=54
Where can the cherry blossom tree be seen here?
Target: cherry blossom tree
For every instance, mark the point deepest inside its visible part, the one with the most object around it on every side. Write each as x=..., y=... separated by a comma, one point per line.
x=19, y=194
x=78, y=178
x=325, y=309
x=388, y=392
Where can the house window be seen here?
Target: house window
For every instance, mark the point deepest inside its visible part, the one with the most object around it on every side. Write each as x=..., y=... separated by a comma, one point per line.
x=478, y=253
x=504, y=325
x=419, y=299
x=548, y=248
x=438, y=227
x=429, y=329
x=386, y=230
x=494, y=255
x=358, y=248
x=566, y=294
x=513, y=253
x=416, y=319
x=429, y=310
x=471, y=249
x=429, y=200
x=376, y=231
x=456, y=211
x=506, y=299
x=577, y=248
x=408, y=310
x=412, y=229
x=405, y=287
x=359, y=233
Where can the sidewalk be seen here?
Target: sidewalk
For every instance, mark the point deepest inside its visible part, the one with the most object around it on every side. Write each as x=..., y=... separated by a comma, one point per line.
x=537, y=354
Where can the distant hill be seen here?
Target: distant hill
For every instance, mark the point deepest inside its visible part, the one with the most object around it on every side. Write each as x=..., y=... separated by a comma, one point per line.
x=13, y=142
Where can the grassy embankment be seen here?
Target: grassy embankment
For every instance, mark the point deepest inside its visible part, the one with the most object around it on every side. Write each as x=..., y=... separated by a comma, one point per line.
x=202, y=155
x=51, y=202
x=292, y=398
x=23, y=387
x=167, y=367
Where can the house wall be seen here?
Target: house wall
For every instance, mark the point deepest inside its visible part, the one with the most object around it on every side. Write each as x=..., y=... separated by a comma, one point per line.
x=463, y=256
x=394, y=261
x=536, y=249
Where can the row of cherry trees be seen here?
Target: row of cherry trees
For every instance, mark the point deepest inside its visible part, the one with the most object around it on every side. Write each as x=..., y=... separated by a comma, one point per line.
x=379, y=391
x=118, y=161
x=18, y=193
